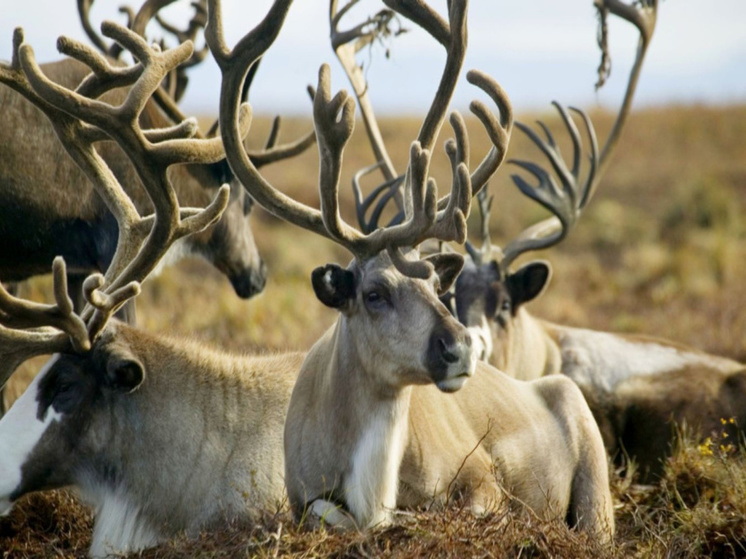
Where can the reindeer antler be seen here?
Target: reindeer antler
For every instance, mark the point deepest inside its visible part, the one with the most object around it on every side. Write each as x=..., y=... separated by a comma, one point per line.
x=451, y=35
x=177, y=80
x=334, y=122
x=81, y=121
x=567, y=201
x=482, y=254
x=346, y=45
x=643, y=14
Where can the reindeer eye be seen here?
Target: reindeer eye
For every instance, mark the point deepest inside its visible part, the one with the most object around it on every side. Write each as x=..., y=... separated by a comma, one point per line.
x=505, y=307
x=376, y=299
x=373, y=297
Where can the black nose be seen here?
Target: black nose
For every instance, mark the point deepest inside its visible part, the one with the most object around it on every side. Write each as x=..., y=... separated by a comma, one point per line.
x=250, y=282
x=454, y=348
x=449, y=351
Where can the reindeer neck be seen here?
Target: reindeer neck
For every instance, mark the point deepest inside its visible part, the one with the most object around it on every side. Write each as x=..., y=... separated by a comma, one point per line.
x=372, y=420
x=528, y=352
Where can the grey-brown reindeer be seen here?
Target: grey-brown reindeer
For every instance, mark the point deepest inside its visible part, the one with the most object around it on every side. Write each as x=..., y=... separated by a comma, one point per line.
x=637, y=386
x=372, y=424
x=50, y=208
x=159, y=435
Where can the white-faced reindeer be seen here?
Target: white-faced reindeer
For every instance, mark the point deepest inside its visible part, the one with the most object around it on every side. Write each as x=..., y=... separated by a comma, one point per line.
x=159, y=435
x=636, y=386
x=371, y=412
x=50, y=208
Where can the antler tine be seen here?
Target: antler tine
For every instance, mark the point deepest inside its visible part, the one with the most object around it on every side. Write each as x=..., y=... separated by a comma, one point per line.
x=106, y=304
x=333, y=133
x=177, y=80
x=482, y=254
x=389, y=188
x=346, y=44
x=234, y=65
x=644, y=18
x=283, y=151
x=450, y=223
x=498, y=130
x=147, y=12
x=198, y=21
x=28, y=329
x=84, y=11
x=21, y=315
x=565, y=202
x=130, y=13
x=455, y=46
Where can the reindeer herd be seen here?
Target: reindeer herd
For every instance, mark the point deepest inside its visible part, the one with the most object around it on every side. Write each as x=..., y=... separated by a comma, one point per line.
x=434, y=383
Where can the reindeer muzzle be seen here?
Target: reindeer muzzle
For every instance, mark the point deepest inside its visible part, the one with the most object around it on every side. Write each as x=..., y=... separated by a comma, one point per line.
x=450, y=357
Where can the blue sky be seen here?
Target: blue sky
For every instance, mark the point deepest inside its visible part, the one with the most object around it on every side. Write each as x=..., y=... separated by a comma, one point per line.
x=538, y=50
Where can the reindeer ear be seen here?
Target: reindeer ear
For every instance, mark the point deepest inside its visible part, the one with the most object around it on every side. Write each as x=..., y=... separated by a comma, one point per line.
x=124, y=371
x=448, y=266
x=528, y=282
x=334, y=286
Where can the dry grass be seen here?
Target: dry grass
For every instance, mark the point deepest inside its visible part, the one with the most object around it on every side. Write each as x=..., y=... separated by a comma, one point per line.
x=697, y=510
x=661, y=250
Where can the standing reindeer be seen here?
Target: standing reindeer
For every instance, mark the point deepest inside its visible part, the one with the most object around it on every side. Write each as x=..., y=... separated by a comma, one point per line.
x=358, y=427
x=159, y=435
x=50, y=208
x=636, y=386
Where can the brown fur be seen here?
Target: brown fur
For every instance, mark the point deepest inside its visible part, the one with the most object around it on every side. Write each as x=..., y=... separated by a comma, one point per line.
x=50, y=208
x=644, y=415
x=502, y=441
x=186, y=436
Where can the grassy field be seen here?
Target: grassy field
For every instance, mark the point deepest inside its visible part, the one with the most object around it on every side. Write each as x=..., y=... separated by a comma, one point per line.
x=660, y=250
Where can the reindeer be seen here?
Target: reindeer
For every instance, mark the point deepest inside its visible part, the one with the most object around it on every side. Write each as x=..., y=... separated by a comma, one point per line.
x=50, y=208
x=159, y=435
x=636, y=386
x=358, y=426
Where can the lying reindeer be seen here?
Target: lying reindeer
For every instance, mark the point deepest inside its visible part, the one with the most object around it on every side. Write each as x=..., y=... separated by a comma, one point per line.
x=638, y=387
x=159, y=435
x=358, y=427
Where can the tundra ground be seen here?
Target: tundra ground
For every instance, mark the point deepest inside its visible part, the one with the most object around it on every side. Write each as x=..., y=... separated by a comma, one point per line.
x=661, y=250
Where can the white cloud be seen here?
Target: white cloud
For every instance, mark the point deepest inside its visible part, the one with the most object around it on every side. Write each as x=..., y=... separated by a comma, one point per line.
x=538, y=49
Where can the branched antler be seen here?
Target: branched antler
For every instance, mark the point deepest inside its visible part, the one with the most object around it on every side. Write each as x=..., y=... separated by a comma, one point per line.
x=452, y=36
x=483, y=254
x=643, y=14
x=334, y=122
x=81, y=121
x=568, y=200
x=380, y=196
x=176, y=81
x=346, y=45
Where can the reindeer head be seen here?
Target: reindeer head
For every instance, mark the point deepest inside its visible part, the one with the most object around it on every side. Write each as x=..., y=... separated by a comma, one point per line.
x=397, y=320
x=488, y=295
x=64, y=417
